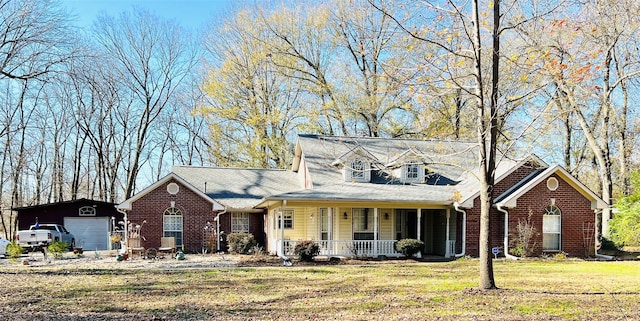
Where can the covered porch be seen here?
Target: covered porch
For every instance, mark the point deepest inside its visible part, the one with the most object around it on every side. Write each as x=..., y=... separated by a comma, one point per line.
x=352, y=230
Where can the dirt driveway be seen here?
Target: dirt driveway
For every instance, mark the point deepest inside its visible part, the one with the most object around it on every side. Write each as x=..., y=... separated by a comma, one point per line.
x=108, y=260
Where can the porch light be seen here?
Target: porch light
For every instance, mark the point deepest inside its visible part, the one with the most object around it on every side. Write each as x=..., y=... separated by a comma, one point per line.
x=386, y=216
x=345, y=216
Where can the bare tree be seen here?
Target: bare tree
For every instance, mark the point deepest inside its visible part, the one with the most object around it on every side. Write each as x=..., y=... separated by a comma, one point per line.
x=467, y=43
x=33, y=43
x=591, y=62
x=152, y=57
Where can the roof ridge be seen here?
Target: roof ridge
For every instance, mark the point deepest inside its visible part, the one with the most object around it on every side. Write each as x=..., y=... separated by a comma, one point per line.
x=386, y=138
x=233, y=168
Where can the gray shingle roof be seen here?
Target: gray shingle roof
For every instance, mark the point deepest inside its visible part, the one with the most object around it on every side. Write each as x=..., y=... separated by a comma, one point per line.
x=373, y=192
x=447, y=158
x=453, y=166
x=239, y=188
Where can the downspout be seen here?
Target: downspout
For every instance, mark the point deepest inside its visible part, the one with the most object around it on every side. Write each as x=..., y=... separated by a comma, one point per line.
x=456, y=205
x=125, y=244
x=217, y=219
x=506, y=232
x=595, y=241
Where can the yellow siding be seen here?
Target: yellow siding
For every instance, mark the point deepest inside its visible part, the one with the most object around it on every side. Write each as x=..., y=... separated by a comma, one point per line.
x=306, y=223
x=344, y=226
x=386, y=225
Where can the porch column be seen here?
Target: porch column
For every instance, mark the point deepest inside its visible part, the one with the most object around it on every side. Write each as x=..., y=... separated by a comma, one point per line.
x=284, y=204
x=447, y=245
x=330, y=231
x=376, y=211
x=419, y=224
x=419, y=254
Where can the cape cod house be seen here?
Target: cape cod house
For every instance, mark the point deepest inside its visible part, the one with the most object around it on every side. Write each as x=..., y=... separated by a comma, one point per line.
x=358, y=196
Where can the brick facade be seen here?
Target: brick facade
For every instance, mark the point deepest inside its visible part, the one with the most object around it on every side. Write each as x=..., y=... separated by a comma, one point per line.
x=196, y=213
x=577, y=218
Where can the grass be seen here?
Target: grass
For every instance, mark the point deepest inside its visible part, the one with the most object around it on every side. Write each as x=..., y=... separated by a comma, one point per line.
x=528, y=290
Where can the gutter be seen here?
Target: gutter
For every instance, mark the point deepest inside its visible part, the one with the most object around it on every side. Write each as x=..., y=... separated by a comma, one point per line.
x=217, y=219
x=506, y=233
x=124, y=248
x=457, y=207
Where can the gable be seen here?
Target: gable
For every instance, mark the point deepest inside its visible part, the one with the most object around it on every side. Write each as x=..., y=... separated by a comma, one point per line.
x=510, y=197
x=127, y=204
x=357, y=152
x=508, y=174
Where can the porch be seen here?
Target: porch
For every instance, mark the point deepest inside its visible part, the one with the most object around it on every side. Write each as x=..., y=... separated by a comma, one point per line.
x=347, y=230
x=358, y=248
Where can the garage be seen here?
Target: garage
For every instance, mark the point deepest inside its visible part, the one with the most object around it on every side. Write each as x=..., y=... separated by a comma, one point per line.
x=91, y=233
x=90, y=221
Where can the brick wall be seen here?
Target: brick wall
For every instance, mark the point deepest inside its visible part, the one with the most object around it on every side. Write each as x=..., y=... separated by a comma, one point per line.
x=576, y=217
x=196, y=211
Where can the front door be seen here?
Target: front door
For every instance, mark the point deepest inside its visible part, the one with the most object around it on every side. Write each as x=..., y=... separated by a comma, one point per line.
x=406, y=224
x=434, y=231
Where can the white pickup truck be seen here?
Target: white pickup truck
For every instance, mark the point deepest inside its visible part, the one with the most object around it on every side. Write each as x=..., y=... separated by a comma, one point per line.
x=42, y=235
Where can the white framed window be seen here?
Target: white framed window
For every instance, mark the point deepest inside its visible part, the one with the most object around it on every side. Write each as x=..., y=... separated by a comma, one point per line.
x=413, y=171
x=358, y=170
x=363, y=221
x=551, y=229
x=324, y=223
x=288, y=219
x=240, y=222
x=172, y=224
x=87, y=211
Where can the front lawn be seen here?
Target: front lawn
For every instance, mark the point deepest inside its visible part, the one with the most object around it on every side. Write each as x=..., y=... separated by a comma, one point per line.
x=529, y=290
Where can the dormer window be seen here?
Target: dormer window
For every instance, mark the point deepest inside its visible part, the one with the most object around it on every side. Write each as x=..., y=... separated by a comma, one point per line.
x=413, y=172
x=358, y=170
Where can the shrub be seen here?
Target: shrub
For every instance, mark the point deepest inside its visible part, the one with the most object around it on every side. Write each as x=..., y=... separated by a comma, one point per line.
x=258, y=250
x=241, y=243
x=409, y=247
x=307, y=250
x=57, y=248
x=523, y=244
x=607, y=244
x=212, y=242
x=14, y=250
x=560, y=256
x=625, y=224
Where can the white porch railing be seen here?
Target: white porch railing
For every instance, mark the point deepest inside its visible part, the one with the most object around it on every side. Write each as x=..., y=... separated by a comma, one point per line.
x=350, y=248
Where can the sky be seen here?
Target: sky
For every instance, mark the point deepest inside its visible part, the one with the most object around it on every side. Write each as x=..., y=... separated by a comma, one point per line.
x=190, y=13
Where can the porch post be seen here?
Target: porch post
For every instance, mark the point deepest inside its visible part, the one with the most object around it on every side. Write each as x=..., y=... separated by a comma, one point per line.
x=419, y=224
x=276, y=234
x=447, y=245
x=284, y=204
x=330, y=231
x=419, y=254
x=376, y=211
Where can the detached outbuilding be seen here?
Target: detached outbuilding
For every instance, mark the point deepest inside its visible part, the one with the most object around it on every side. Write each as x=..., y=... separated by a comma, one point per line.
x=90, y=221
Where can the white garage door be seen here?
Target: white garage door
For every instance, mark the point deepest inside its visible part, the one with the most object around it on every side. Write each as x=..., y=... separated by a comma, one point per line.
x=91, y=233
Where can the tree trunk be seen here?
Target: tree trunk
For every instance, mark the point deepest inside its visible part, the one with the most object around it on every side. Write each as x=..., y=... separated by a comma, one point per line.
x=486, y=141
